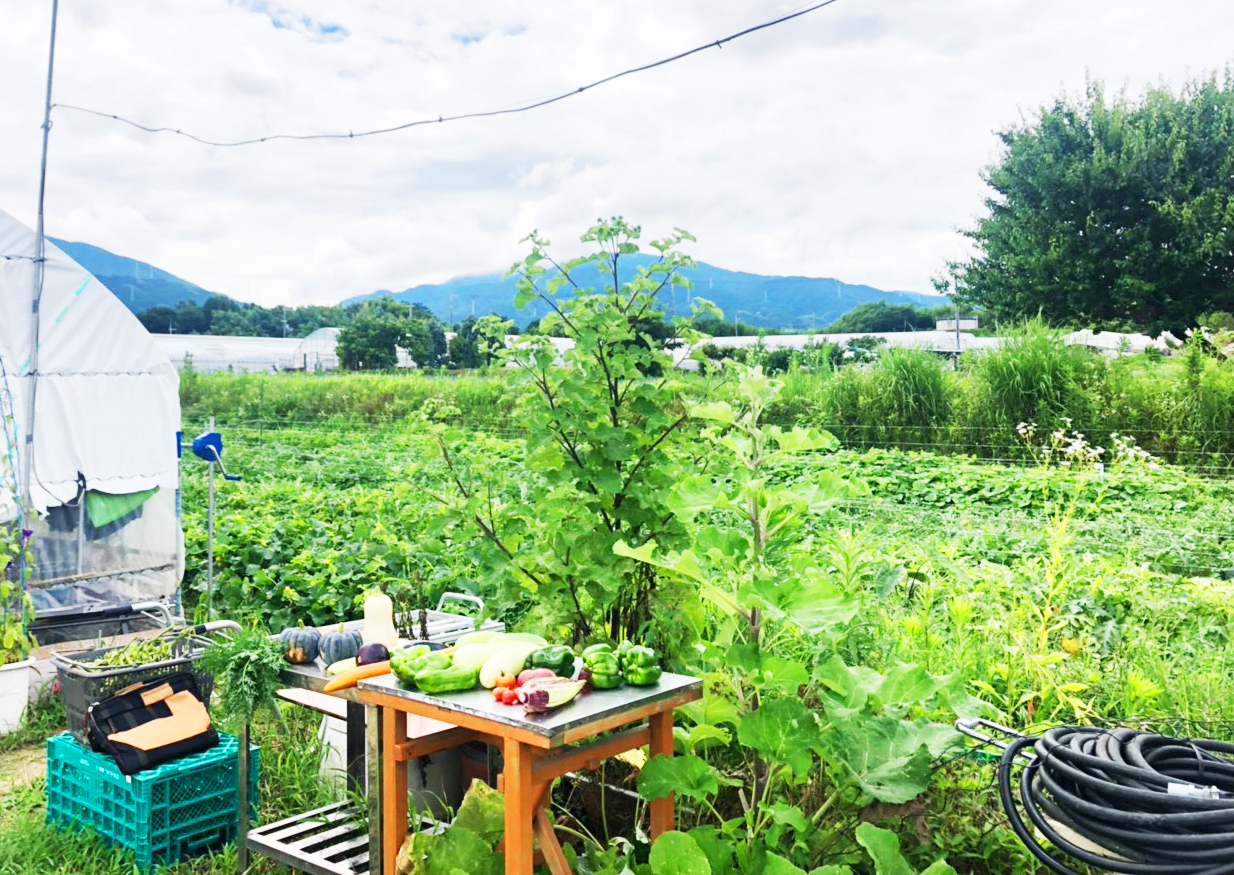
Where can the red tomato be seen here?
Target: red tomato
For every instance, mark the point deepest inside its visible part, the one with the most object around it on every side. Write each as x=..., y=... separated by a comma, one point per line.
x=508, y=696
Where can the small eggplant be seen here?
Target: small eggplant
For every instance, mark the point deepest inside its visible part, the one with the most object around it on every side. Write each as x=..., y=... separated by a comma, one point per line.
x=372, y=652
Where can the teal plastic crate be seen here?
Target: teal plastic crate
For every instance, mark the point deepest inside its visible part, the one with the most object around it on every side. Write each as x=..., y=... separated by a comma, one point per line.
x=163, y=814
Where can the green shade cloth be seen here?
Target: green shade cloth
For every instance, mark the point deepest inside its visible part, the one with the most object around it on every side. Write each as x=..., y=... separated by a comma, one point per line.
x=103, y=507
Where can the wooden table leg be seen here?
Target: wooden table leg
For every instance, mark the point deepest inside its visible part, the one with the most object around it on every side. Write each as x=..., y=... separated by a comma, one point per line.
x=393, y=789
x=355, y=748
x=373, y=768
x=661, y=743
x=549, y=846
x=520, y=801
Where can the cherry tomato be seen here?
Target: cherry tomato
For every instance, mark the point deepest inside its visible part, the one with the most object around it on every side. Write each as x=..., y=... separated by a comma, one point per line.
x=508, y=696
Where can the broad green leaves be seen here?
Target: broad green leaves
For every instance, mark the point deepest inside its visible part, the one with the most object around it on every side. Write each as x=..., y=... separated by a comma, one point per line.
x=691, y=776
x=884, y=848
x=869, y=733
x=783, y=732
x=676, y=853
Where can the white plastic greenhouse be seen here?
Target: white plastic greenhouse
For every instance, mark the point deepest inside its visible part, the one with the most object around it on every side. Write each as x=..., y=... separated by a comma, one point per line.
x=89, y=442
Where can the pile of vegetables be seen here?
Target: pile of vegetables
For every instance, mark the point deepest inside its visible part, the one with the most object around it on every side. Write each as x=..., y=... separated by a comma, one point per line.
x=606, y=668
x=142, y=651
x=519, y=667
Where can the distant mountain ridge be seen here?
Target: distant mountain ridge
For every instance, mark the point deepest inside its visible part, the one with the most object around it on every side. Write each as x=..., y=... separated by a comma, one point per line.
x=768, y=301
x=805, y=303
x=138, y=285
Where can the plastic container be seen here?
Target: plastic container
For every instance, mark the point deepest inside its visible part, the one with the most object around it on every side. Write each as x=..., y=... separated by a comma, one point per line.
x=82, y=683
x=163, y=814
x=14, y=693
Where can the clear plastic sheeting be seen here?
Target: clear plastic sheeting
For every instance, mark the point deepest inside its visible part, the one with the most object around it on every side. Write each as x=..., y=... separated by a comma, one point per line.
x=104, y=420
x=133, y=558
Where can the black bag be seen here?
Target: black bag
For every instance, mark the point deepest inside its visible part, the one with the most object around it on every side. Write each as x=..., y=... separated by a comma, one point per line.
x=148, y=724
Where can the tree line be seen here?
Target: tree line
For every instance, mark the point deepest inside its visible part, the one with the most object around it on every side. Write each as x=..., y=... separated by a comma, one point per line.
x=1110, y=212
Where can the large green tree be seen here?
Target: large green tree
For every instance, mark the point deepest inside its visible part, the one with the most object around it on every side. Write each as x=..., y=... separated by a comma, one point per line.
x=1112, y=212
x=370, y=342
x=876, y=316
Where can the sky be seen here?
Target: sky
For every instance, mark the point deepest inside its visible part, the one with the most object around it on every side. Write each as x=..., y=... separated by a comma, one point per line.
x=848, y=142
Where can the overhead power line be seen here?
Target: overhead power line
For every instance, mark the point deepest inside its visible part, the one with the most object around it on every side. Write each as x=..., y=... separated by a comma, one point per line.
x=351, y=135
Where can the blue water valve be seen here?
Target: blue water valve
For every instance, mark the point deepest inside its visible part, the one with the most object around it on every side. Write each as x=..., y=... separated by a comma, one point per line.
x=209, y=446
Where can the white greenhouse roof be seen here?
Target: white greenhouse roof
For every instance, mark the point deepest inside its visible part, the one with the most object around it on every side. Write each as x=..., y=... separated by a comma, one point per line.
x=935, y=341
x=211, y=353
x=89, y=424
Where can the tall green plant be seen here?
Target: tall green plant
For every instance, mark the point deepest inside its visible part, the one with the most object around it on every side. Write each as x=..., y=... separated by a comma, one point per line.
x=1034, y=377
x=910, y=396
x=770, y=596
x=603, y=420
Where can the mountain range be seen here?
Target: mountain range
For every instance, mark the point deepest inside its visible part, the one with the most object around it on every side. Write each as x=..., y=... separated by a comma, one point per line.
x=754, y=299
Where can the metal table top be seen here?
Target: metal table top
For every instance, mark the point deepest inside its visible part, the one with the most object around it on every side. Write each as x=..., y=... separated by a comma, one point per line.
x=443, y=628
x=588, y=707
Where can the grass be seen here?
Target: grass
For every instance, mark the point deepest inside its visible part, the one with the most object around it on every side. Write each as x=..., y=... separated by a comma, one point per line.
x=289, y=785
x=906, y=398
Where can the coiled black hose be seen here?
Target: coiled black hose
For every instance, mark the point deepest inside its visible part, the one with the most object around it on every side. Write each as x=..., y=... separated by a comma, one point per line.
x=1113, y=788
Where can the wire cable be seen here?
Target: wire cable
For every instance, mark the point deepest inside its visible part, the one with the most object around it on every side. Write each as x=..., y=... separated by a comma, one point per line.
x=1123, y=801
x=351, y=135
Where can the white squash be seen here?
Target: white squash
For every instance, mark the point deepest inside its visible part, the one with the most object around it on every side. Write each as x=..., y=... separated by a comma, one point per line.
x=525, y=638
x=510, y=658
x=379, y=621
x=480, y=636
x=472, y=657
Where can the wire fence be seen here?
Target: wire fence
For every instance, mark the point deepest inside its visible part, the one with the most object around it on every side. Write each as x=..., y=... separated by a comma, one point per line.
x=1217, y=465
x=1176, y=541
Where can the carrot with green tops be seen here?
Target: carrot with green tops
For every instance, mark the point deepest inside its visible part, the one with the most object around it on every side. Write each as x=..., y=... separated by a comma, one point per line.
x=353, y=676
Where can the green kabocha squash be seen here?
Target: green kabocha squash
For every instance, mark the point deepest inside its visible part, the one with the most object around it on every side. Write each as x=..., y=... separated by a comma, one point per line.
x=300, y=645
x=339, y=644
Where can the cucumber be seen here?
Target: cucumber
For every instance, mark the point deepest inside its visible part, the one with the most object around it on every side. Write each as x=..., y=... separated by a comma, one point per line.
x=510, y=658
x=478, y=637
x=521, y=637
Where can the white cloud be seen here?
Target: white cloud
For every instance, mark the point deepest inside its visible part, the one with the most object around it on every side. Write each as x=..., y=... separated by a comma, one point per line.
x=845, y=143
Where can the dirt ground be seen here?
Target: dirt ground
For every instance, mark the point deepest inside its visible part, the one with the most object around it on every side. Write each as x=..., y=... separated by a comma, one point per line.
x=21, y=766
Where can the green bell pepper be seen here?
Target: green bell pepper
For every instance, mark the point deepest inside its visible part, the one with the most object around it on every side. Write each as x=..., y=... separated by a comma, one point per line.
x=641, y=667
x=447, y=680
x=622, y=649
x=402, y=662
x=557, y=657
x=602, y=647
x=602, y=665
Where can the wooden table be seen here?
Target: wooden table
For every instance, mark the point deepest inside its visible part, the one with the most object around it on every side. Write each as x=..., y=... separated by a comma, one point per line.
x=537, y=749
x=340, y=839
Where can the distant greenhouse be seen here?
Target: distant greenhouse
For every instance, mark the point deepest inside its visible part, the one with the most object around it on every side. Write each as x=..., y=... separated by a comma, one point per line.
x=212, y=353
x=319, y=352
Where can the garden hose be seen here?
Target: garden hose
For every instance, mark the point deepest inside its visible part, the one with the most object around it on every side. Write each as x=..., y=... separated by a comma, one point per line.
x=1123, y=801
